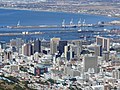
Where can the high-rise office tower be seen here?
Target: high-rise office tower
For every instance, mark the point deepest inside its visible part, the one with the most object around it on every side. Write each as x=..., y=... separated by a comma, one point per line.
x=68, y=51
x=116, y=74
x=18, y=42
x=37, y=46
x=13, y=42
x=104, y=42
x=90, y=62
x=27, y=49
x=105, y=55
x=54, y=44
x=2, y=44
x=36, y=57
x=61, y=46
x=1, y=58
x=96, y=48
x=70, y=55
x=78, y=44
x=8, y=54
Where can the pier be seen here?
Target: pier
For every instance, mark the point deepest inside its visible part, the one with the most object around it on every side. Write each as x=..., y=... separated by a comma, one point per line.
x=52, y=26
x=21, y=33
x=59, y=26
x=63, y=25
x=52, y=32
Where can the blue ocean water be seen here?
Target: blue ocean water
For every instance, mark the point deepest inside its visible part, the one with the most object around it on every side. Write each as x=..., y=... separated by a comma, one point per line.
x=9, y=17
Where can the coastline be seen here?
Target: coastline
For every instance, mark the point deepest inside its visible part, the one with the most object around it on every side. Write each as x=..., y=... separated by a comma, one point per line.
x=27, y=21
x=25, y=9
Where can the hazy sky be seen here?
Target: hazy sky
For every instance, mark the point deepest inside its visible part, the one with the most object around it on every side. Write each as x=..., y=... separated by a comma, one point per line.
x=21, y=0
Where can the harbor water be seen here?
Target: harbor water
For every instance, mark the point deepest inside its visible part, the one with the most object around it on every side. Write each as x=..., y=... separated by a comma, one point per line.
x=9, y=17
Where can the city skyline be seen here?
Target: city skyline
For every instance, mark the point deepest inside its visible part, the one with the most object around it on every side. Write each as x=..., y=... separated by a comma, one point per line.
x=59, y=45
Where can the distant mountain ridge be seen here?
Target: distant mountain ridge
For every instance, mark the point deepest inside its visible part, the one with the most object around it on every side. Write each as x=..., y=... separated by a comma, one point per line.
x=60, y=0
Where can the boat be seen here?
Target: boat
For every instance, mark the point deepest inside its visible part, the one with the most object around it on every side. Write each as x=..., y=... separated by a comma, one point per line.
x=85, y=31
x=82, y=36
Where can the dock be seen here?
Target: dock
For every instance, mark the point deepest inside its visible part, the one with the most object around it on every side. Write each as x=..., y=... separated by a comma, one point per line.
x=51, y=26
x=71, y=25
x=52, y=32
x=21, y=33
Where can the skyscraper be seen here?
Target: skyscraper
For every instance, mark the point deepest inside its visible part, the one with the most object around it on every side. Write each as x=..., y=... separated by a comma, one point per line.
x=61, y=46
x=116, y=74
x=27, y=49
x=96, y=48
x=69, y=53
x=54, y=44
x=2, y=44
x=37, y=46
x=78, y=44
x=8, y=54
x=90, y=62
x=105, y=55
x=18, y=42
x=104, y=42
